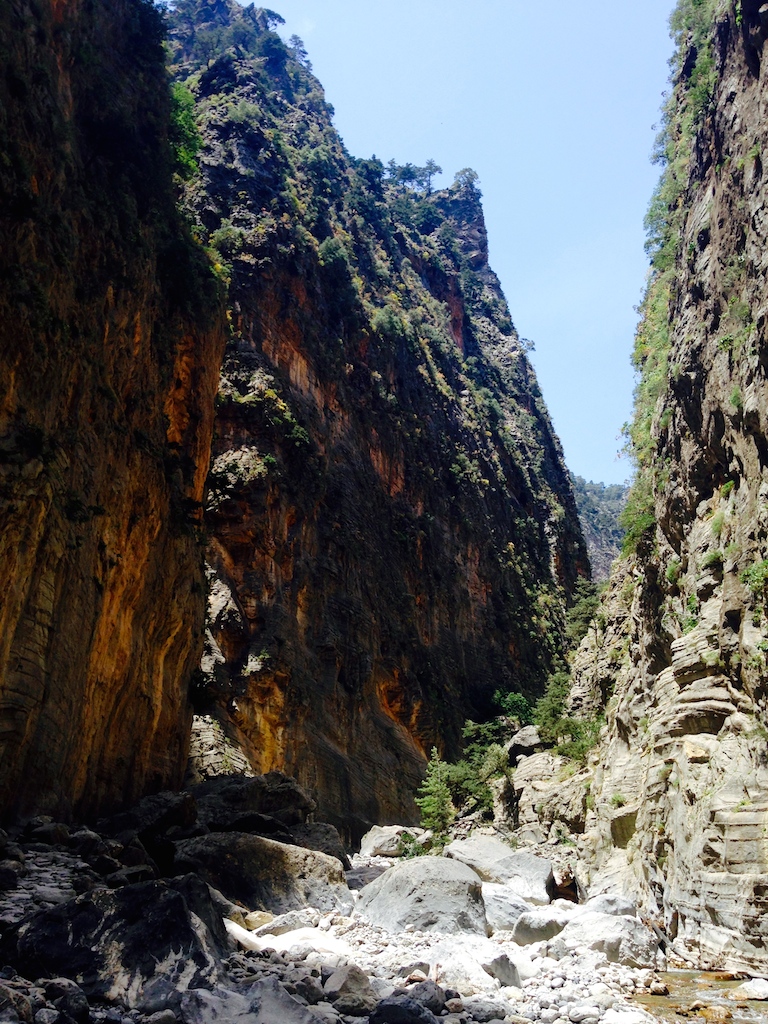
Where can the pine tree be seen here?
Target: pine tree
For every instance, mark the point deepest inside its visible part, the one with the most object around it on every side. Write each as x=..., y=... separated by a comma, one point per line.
x=434, y=799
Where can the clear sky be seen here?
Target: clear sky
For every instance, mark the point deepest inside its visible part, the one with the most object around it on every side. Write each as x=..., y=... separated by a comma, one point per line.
x=553, y=104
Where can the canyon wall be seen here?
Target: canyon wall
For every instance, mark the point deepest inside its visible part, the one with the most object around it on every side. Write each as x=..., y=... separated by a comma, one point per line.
x=111, y=333
x=675, y=801
x=392, y=529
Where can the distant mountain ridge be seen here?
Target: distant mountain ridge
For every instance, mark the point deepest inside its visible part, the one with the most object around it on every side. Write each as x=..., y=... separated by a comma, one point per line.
x=600, y=506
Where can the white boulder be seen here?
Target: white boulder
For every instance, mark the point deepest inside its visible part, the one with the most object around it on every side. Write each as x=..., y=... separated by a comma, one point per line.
x=529, y=876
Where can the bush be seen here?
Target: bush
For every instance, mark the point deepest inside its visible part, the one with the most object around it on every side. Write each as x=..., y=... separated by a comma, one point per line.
x=582, y=612
x=514, y=705
x=184, y=136
x=548, y=713
x=638, y=517
x=583, y=734
x=673, y=571
x=756, y=577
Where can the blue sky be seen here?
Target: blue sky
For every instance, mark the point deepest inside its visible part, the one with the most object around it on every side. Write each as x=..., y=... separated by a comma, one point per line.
x=553, y=105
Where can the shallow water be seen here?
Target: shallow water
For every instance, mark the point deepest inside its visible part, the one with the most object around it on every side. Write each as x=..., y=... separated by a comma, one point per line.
x=710, y=988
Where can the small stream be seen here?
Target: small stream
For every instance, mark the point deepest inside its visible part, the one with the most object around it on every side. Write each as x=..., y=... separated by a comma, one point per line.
x=710, y=988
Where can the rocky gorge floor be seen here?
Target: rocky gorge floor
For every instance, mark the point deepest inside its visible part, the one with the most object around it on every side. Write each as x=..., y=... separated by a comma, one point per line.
x=180, y=911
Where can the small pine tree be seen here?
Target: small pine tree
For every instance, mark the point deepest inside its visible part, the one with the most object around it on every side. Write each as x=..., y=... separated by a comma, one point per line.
x=434, y=799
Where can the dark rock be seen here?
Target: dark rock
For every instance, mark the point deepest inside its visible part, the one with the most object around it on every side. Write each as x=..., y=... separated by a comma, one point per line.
x=223, y=800
x=258, y=825
x=321, y=837
x=69, y=998
x=9, y=876
x=105, y=865
x=129, y=876
x=124, y=944
x=52, y=834
x=310, y=989
x=86, y=843
x=358, y=878
x=152, y=816
x=162, y=1017
x=201, y=902
x=401, y=1010
x=134, y=853
x=263, y=874
x=350, y=991
x=429, y=994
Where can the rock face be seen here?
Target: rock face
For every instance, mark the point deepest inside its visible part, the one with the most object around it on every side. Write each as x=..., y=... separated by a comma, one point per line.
x=390, y=516
x=426, y=894
x=680, y=783
x=110, y=343
x=135, y=946
x=599, y=509
x=264, y=874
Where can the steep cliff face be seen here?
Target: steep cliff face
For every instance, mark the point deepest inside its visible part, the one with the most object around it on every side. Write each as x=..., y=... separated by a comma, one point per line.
x=681, y=782
x=600, y=507
x=392, y=528
x=110, y=340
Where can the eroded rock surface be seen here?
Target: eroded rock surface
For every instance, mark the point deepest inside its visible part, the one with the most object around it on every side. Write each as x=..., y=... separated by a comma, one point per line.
x=111, y=335
x=391, y=521
x=674, y=802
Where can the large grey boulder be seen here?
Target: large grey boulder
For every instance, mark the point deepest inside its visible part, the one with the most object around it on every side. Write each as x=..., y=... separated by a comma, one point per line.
x=525, y=742
x=385, y=840
x=611, y=903
x=540, y=924
x=265, y=1002
x=138, y=945
x=623, y=940
x=503, y=906
x=426, y=894
x=529, y=876
x=264, y=874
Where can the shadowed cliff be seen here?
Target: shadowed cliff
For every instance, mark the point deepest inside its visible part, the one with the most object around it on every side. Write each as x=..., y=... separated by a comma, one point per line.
x=110, y=340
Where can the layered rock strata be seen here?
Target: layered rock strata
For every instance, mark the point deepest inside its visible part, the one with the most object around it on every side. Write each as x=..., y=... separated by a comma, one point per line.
x=392, y=528
x=680, y=781
x=110, y=340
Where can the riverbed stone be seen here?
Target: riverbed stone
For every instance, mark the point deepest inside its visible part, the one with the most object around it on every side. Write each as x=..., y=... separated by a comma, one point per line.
x=426, y=894
x=529, y=876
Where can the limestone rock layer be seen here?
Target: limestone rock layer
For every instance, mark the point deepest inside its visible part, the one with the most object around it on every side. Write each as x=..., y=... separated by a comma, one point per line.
x=110, y=342
x=679, y=653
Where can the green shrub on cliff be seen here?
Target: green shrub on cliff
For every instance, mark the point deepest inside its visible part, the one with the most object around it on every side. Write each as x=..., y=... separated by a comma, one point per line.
x=694, y=76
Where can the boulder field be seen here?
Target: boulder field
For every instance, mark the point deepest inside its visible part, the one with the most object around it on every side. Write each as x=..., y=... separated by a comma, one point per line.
x=156, y=916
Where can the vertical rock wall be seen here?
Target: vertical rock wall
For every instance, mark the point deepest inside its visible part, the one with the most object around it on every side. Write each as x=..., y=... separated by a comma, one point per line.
x=681, y=782
x=393, y=531
x=110, y=343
